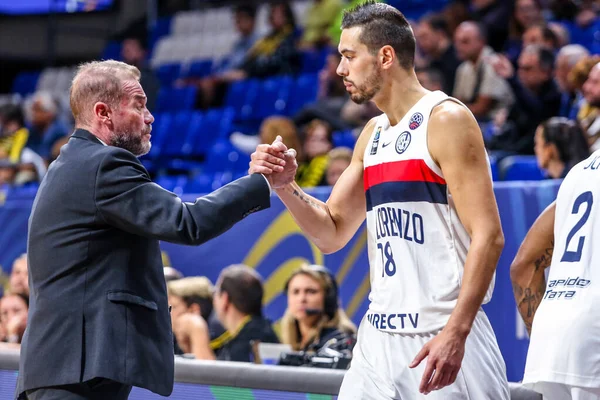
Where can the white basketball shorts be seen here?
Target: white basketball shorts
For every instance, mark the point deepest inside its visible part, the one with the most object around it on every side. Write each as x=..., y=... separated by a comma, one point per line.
x=379, y=369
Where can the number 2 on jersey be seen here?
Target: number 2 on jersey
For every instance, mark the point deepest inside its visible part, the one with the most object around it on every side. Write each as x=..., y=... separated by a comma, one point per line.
x=387, y=260
x=588, y=199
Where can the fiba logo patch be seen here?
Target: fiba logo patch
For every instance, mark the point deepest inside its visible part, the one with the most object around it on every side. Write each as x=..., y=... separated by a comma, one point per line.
x=375, y=142
x=415, y=121
x=403, y=142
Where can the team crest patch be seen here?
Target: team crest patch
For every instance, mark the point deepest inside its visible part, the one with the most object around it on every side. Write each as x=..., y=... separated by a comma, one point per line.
x=415, y=121
x=403, y=142
x=375, y=142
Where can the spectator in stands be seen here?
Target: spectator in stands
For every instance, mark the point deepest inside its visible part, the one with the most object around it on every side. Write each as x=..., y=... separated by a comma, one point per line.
x=13, y=133
x=339, y=160
x=8, y=172
x=194, y=323
x=526, y=13
x=559, y=145
x=477, y=85
x=19, y=278
x=274, y=54
x=537, y=99
x=561, y=32
x=134, y=52
x=238, y=306
x=430, y=79
x=45, y=127
x=270, y=128
x=577, y=78
x=13, y=317
x=313, y=315
x=566, y=59
x=591, y=91
x=331, y=97
x=434, y=40
x=318, y=141
x=542, y=35
x=493, y=14
x=319, y=18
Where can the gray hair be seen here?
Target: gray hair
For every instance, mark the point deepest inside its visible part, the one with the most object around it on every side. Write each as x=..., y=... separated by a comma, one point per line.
x=573, y=53
x=99, y=81
x=47, y=101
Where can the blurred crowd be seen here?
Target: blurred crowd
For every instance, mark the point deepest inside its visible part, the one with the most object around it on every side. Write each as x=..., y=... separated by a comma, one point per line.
x=526, y=69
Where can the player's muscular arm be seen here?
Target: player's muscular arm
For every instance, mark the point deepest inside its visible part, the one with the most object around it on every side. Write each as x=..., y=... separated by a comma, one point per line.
x=332, y=224
x=456, y=144
x=527, y=270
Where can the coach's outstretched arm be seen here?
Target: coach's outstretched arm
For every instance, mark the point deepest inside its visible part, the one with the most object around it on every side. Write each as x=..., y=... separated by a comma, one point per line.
x=329, y=225
x=528, y=267
x=455, y=143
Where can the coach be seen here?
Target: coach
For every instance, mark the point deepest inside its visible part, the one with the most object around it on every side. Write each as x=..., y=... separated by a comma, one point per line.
x=99, y=319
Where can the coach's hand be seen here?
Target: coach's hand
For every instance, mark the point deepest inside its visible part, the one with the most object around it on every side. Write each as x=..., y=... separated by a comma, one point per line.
x=276, y=162
x=444, y=355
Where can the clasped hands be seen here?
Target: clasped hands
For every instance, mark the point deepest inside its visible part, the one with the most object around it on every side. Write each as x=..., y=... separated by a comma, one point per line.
x=276, y=162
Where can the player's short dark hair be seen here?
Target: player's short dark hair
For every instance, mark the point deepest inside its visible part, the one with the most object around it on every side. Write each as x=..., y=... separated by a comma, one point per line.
x=383, y=25
x=246, y=9
x=244, y=288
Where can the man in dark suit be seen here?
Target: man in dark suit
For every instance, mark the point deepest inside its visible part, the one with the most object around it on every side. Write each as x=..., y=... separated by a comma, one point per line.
x=99, y=318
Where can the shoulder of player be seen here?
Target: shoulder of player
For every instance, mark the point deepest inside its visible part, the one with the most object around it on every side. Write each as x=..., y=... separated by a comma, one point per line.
x=448, y=113
x=363, y=139
x=452, y=129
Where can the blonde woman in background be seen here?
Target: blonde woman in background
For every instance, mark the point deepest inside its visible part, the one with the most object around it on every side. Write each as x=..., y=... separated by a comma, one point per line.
x=313, y=315
x=191, y=301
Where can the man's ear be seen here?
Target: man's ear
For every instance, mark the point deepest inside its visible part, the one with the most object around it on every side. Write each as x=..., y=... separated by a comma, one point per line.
x=102, y=112
x=387, y=56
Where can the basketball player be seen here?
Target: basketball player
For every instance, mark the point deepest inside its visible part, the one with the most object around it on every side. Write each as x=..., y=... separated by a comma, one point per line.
x=434, y=236
x=563, y=361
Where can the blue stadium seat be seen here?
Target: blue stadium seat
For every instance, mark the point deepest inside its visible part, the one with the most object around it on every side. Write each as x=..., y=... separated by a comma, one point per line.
x=521, y=168
x=162, y=28
x=112, y=50
x=197, y=69
x=224, y=157
x=160, y=131
x=495, y=169
x=206, y=182
x=313, y=60
x=206, y=129
x=175, y=184
x=303, y=92
x=273, y=95
x=168, y=73
x=344, y=139
x=25, y=83
x=241, y=97
x=176, y=99
x=177, y=134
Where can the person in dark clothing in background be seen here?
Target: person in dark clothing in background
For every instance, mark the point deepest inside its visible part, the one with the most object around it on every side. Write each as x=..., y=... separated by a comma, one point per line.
x=435, y=41
x=238, y=305
x=537, y=99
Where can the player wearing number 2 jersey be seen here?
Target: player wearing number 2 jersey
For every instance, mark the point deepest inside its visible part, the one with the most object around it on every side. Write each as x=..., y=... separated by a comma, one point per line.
x=563, y=361
x=434, y=237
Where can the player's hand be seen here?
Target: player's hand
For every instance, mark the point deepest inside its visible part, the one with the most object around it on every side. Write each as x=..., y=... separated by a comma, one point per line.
x=444, y=355
x=275, y=162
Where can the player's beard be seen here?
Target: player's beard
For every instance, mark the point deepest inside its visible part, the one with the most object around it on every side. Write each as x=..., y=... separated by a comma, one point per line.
x=135, y=142
x=370, y=87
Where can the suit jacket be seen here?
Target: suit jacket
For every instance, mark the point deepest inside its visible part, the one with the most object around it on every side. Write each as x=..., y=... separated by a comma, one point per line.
x=98, y=296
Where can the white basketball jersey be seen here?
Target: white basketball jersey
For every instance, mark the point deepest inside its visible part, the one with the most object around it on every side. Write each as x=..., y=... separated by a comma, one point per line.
x=565, y=338
x=416, y=243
